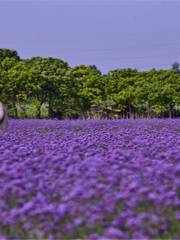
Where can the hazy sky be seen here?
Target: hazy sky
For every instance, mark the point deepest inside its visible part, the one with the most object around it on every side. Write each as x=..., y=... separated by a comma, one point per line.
x=110, y=34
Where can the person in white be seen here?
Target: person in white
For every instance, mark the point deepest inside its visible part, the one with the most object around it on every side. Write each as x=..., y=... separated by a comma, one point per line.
x=3, y=117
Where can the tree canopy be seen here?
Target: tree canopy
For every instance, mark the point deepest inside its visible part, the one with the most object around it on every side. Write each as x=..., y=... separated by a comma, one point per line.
x=7, y=53
x=49, y=87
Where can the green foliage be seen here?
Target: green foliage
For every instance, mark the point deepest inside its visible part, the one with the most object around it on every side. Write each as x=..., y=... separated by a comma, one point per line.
x=7, y=53
x=175, y=66
x=49, y=87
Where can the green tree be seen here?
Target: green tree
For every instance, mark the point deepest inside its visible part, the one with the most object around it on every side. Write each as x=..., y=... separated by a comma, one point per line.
x=90, y=88
x=7, y=84
x=119, y=87
x=175, y=66
x=48, y=80
x=7, y=53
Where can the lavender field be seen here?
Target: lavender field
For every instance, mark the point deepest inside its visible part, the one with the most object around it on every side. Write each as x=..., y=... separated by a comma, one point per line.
x=117, y=179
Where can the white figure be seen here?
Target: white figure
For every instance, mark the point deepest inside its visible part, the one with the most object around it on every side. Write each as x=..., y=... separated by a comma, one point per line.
x=3, y=117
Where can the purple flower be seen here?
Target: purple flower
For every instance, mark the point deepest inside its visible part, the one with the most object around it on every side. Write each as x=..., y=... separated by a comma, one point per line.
x=78, y=221
x=177, y=214
x=114, y=179
x=112, y=232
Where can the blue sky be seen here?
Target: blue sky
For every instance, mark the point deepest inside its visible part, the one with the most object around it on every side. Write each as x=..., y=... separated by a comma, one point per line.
x=109, y=34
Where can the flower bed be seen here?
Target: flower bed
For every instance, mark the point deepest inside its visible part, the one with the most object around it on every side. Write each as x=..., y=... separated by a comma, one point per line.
x=117, y=179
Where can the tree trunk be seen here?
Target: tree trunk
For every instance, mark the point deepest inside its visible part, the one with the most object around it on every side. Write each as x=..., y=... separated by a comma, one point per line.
x=170, y=113
x=39, y=112
x=50, y=111
x=15, y=110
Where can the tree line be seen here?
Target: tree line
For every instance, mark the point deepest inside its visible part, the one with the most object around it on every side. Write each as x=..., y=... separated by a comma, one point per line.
x=49, y=88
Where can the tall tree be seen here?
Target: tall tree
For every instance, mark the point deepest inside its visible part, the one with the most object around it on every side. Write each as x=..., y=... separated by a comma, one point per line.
x=90, y=87
x=175, y=66
x=7, y=53
x=48, y=78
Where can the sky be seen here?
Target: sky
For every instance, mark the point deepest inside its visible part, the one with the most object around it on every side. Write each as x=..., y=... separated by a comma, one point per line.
x=110, y=34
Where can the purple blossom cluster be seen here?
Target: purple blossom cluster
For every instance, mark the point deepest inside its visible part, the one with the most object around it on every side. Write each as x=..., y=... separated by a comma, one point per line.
x=110, y=179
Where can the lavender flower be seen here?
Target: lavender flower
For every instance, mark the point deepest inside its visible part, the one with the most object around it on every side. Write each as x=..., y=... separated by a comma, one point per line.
x=117, y=179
